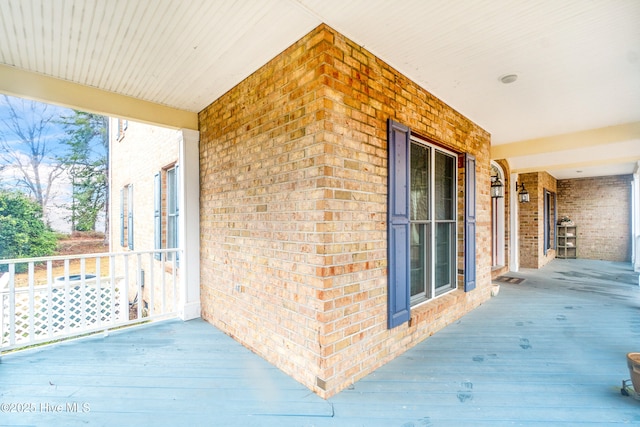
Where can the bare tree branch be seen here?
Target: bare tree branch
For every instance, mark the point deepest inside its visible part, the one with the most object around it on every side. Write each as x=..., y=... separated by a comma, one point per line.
x=27, y=146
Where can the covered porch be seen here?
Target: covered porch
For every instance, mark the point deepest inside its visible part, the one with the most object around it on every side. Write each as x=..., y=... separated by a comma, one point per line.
x=549, y=350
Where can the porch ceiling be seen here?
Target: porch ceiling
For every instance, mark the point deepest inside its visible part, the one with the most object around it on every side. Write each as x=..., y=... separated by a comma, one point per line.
x=578, y=63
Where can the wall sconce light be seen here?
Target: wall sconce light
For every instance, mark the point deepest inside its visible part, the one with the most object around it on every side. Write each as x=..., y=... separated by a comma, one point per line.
x=523, y=194
x=497, y=189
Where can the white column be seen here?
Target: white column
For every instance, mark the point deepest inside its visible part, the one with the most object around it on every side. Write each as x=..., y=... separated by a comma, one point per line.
x=514, y=242
x=189, y=224
x=635, y=218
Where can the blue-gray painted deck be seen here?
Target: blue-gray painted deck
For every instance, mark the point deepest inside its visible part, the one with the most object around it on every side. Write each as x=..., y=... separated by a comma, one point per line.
x=547, y=352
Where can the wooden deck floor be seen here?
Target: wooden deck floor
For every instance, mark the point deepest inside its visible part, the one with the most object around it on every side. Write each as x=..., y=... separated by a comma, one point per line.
x=549, y=351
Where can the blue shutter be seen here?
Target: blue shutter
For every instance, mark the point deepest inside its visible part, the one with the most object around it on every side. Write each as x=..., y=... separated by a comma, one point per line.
x=399, y=142
x=157, y=214
x=122, y=217
x=555, y=220
x=469, y=223
x=130, y=215
x=550, y=221
x=547, y=223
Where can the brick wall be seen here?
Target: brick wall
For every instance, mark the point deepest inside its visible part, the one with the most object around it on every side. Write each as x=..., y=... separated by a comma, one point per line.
x=531, y=220
x=601, y=209
x=293, y=210
x=143, y=151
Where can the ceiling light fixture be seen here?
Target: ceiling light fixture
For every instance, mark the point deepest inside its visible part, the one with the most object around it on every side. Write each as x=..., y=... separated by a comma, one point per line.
x=508, y=78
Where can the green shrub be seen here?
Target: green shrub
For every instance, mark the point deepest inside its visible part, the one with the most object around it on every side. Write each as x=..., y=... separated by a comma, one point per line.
x=23, y=233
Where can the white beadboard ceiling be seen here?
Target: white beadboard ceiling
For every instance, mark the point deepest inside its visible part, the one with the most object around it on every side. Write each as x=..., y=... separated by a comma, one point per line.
x=578, y=61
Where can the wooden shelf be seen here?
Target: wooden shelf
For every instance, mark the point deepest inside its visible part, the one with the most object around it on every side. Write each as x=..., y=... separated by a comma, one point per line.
x=567, y=241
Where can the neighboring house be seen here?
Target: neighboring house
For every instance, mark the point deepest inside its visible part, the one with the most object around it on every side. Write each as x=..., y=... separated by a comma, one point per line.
x=144, y=197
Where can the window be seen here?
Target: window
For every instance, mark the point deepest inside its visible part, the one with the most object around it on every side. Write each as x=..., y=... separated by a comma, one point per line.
x=422, y=229
x=157, y=214
x=172, y=209
x=549, y=220
x=433, y=181
x=122, y=128
x=126, y=216
x=166, y=211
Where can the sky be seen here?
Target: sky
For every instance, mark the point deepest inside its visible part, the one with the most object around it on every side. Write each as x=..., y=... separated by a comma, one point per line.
x=30, y=112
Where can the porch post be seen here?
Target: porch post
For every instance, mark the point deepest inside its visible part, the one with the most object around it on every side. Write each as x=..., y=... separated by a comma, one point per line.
x=514, y=238
x=189, y=224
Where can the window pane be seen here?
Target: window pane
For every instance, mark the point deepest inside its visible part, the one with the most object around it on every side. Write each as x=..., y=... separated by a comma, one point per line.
x=418, y=259
x=172, y=233
x=444, y=186
x=444, y=259
x=433, y=222
x=171, y=191
x=419, y=182
x=172, y=211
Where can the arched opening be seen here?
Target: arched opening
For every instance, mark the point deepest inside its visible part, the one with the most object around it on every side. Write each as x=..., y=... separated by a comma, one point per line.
x=497, y=221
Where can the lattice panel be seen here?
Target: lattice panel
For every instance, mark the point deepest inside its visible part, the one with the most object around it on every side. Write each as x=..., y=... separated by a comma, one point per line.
x=84, y=310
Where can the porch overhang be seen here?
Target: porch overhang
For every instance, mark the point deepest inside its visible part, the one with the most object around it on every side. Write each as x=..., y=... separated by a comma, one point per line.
x=38, y=87
x=614, y=147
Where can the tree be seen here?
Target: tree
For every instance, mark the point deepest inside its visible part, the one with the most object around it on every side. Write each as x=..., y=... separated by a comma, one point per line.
x=87, y=160
x=23, y=233
x=26, y=144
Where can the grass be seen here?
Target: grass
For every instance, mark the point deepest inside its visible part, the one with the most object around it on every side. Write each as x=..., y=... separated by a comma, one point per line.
x=75, y=244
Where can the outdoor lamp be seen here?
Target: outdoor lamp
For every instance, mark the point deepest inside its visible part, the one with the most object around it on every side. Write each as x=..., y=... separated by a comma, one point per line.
x=497, y=189
x=523, y=194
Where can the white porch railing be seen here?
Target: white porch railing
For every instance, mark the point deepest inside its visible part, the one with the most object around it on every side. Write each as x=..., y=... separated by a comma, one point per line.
x=96, y=292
